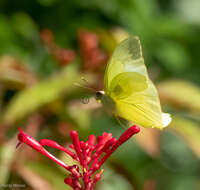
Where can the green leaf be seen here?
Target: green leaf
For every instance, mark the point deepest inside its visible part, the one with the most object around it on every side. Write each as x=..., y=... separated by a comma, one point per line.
x=181, y=94
x=189, y=130
x=176, y=155
x=177, y=182
x=7, y=154
x=42, y=93
x=24, y=25
x=6, y=33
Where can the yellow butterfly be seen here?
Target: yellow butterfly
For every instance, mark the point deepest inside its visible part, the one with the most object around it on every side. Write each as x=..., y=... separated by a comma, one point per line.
x=129, y=92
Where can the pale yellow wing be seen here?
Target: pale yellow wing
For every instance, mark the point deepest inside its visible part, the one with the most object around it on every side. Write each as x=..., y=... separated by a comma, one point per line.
x=127, y=83
x=142, y=108
x=127, y=57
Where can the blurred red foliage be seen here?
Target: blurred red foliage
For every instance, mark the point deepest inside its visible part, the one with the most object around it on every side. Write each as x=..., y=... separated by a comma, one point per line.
x=93, y=57
x=62, y=55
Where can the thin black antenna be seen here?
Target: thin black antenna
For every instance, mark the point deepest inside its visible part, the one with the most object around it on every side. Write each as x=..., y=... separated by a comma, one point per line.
x=86, y=85
x=85, y=81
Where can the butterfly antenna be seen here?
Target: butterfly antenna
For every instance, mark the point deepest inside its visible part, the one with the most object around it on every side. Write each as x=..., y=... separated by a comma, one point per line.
x=85, y=86
x=85, y=81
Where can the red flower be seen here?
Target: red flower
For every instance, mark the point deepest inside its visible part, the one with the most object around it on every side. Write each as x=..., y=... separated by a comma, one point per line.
x=88, y=154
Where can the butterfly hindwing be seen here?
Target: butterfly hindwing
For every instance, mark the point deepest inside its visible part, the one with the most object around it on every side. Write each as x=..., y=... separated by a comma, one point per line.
x=142, y=108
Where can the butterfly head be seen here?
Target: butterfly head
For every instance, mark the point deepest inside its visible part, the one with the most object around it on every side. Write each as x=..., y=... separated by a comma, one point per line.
x=99, y=96
x=106, y=101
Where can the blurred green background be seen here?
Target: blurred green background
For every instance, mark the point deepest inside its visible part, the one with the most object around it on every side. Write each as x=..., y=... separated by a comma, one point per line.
x=48, y=45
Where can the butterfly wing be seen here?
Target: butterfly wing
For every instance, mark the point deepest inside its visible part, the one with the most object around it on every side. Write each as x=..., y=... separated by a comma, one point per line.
x=142, y=108
x=127, y=57
x=127, y=83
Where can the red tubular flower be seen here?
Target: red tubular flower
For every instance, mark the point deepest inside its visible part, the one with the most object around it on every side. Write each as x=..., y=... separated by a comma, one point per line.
x=87, y=153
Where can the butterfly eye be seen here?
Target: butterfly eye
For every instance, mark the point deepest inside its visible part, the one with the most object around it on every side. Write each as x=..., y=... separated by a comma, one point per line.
x=98, y=95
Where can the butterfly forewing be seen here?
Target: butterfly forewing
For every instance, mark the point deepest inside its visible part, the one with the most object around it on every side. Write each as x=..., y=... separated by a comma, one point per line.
x=127, y=57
